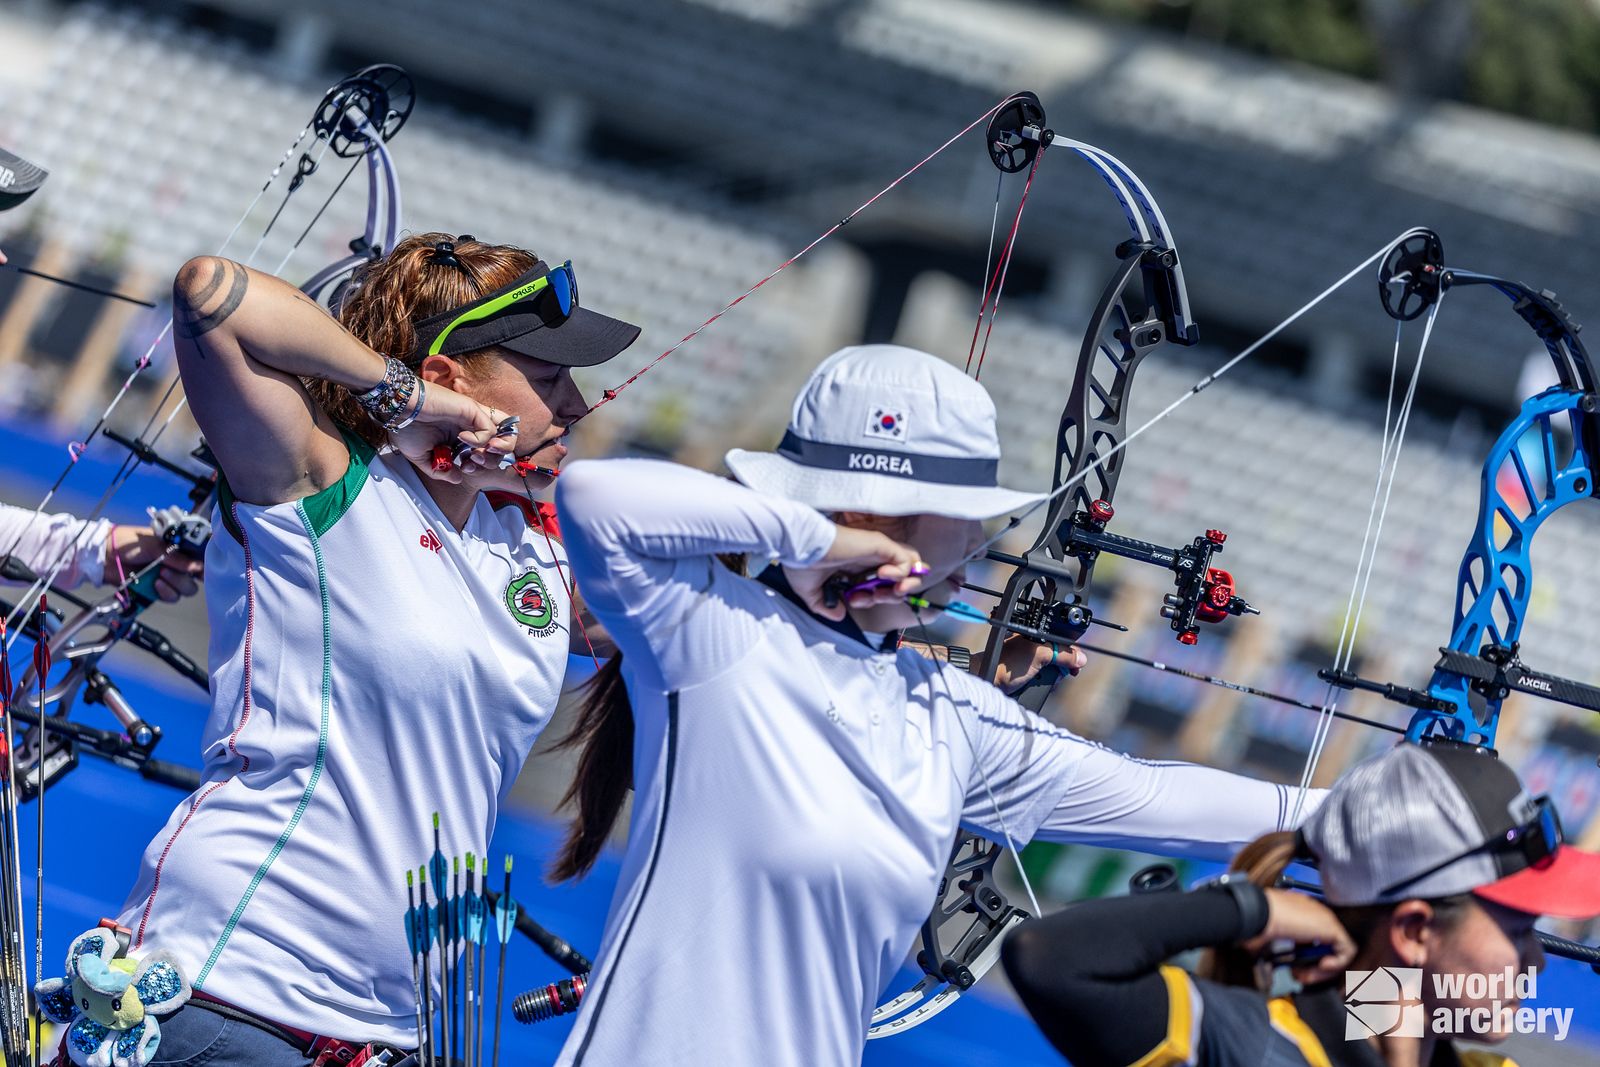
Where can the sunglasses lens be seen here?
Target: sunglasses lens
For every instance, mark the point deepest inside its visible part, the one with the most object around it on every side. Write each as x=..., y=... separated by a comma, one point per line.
x=554, y=302
x=1541, y=847
x=561, y=288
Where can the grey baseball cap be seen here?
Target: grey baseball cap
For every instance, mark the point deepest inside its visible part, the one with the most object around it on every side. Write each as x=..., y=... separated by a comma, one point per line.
x=1441, y=818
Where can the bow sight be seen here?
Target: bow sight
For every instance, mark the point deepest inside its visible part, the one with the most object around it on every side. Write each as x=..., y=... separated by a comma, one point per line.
x=1524, y=482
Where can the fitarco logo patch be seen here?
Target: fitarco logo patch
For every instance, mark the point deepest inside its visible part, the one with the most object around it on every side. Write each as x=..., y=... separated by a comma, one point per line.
x=529, y=601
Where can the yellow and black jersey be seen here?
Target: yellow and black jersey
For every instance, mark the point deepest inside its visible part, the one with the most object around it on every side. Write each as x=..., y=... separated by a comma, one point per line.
x=1093, y=978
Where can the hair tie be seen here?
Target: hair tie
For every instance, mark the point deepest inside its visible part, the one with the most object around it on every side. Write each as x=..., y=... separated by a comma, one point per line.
x=444, y=255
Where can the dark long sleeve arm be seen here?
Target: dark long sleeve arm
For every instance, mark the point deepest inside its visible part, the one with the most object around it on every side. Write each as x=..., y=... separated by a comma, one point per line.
x=1090, y=975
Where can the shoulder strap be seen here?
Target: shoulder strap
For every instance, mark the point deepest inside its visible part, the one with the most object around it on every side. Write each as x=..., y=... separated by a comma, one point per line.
x=1477, y=1057
x=1181, y=1045
x=1286, y=1020
x=539, y=515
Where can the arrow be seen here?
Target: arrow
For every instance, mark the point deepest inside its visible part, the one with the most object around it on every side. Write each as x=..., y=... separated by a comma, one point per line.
x=439, y=868
x=505, y=920
x=414, y=936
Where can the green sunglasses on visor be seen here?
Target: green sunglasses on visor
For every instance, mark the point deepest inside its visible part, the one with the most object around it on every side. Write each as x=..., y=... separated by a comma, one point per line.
x=556, y=294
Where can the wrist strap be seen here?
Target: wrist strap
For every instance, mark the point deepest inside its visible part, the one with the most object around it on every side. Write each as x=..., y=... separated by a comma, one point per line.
x=1252, y=902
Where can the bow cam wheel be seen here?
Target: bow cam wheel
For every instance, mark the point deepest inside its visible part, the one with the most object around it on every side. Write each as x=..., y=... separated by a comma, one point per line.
x=1016, y=132
x=1410, y=276
x=379, y=97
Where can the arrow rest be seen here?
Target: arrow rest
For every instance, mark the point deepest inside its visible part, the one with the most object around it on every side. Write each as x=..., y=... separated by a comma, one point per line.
x=381, y=96
x=1016, y=133
x=1412, y=275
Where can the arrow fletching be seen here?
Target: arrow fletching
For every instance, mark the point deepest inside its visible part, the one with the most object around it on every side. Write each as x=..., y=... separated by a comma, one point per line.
x=438, y=866
x=505, y=917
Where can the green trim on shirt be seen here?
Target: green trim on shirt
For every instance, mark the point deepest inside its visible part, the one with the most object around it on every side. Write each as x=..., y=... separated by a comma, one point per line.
x=322, y=740
x=323, y=508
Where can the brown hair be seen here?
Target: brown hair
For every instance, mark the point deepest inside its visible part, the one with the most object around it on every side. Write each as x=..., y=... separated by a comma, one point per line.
x=603, y=734
x=1263, y=861
x=387, y=298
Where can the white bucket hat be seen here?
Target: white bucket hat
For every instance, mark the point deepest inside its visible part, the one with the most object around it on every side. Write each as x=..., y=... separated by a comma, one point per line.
x=887, y=430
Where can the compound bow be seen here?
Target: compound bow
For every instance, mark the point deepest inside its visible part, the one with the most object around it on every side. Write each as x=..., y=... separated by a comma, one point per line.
x=1481, y=665
x=354, y=120
x=1145, y=304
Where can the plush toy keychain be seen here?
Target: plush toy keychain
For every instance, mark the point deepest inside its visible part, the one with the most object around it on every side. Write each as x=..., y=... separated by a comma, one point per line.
x=111, y=1001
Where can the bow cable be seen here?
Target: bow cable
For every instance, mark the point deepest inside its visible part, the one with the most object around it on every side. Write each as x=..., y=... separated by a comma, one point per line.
x=977, y=761
x=302, y=172
x=988, y=259
x=131, y=463
x=1388, y=464
x=1003, y=268
x=284, y=262
x=144, y=361
x=1099, y=460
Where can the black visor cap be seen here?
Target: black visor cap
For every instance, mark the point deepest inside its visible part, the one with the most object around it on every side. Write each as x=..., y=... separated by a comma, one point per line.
x=585, y=339
x=19, y=179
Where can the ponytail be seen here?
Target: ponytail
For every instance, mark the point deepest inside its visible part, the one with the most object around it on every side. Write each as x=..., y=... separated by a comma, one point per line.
x=604, y=733
x=1262, y=861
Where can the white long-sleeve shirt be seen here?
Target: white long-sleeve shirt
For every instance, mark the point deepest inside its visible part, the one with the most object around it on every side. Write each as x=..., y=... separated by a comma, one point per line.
x=797, y=793
x=45, y=539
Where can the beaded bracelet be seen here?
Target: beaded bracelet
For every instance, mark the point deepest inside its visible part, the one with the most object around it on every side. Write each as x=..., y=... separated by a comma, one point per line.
x=392, y=369
x=390, y=398
x=422, y=398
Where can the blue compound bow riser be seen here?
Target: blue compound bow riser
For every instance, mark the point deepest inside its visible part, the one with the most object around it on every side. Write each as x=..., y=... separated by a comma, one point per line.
x=1480, y=667
x=1496, y=578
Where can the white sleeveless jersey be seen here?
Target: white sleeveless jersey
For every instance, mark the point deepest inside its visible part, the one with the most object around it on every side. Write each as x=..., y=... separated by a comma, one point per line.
x=369, y=666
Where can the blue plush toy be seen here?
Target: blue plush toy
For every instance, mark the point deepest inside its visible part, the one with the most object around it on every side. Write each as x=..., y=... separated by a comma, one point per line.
x=111, y=1002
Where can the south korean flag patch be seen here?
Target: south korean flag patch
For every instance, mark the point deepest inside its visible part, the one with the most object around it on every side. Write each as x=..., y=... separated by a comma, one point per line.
x=887, y=424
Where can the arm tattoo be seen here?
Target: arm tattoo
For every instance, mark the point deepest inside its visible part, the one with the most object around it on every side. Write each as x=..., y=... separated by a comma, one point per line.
x=194, y=314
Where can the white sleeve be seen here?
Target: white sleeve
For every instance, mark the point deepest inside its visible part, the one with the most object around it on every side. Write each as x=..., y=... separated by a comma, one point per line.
x=641, y=536
x=42, y=541
x=1169, y=809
